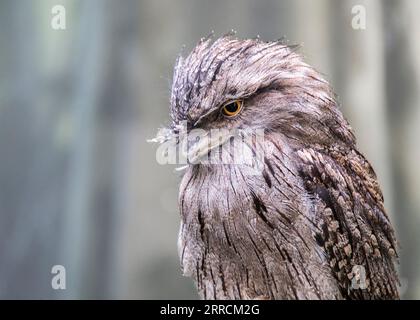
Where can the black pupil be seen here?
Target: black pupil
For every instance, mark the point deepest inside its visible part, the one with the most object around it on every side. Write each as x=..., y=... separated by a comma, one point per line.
x=232, y=107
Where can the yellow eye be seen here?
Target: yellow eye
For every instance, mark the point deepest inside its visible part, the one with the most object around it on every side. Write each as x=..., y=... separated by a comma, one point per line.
x=232, y=108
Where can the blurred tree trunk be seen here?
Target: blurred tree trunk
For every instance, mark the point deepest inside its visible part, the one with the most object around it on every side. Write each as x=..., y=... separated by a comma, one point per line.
x=314, y=32
x=104, y=114
x=79, y=227
x=32, y=185
x=403, y=81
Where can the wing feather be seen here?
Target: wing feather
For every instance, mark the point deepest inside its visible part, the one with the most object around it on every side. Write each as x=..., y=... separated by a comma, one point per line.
x=356, y=232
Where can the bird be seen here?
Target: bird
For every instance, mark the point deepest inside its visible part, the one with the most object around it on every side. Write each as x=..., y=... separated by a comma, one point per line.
x=310, y=223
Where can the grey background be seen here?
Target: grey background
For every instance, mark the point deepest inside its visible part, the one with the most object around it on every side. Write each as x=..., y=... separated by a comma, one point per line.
x=79, y=184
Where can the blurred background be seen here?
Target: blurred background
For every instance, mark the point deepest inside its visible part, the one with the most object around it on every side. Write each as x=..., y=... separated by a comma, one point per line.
x=79, y=184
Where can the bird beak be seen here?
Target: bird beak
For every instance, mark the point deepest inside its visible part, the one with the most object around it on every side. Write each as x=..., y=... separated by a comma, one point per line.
x=201, y=147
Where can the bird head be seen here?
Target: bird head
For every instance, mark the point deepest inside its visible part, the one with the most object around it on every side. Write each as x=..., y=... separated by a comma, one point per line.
x=241, y=86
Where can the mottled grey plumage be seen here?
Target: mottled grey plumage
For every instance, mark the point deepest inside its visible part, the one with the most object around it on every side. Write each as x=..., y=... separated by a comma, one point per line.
x=296, y=230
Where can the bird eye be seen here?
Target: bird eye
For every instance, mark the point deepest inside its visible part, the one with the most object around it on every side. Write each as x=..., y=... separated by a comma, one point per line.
x=232, y=108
